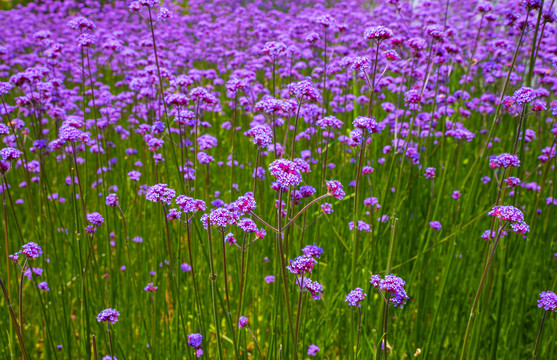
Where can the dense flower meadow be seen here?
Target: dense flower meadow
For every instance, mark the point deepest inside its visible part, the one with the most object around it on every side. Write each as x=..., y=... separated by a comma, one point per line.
x=278, y=179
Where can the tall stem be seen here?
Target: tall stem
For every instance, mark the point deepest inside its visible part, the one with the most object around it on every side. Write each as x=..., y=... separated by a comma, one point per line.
x=14, y=321
x=213, y=278
x=539, y=335
x=478, y=293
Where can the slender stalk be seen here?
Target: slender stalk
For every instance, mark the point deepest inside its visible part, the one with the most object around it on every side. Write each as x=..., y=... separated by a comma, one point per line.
x=256, y=344
x=539, y=335
x=14, y=321
x=213, y=278
x=283, y=274
x=358, y=333
x=110, y=341
x=463, y=355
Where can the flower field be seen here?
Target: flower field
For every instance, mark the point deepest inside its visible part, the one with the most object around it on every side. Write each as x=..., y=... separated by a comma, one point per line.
x=278, y=180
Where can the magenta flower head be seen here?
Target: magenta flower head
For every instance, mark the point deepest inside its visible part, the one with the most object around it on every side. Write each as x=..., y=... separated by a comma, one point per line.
x=504, y=160
x=313, y=251
x=195, y=340
x=327, y=208
x=329, y=122
x=304, y=91
x=313, y=350
x=436, y=225
x=378, y=33
x=274, y=49
x=31, y=250
x=335, y=189
x=173, y=214
x=456, y=194
x=112, y=200
x=313, y=287
x=286, y=171
x=10, y=153
x=43, y=286
x=220, y=218
x=394, y=285
x=301, y=265
x=325, y=20
x=261, y=135
x=150, y=287
x=160, y=192
x=355, y=296
x=366, y=123
x=242, y=321
x=185, y=267
x=548, y=301
x=190, y=205
x=429, y=173
x=245, y=204
x=108, y=315
x=95, y=218
x=507, y=213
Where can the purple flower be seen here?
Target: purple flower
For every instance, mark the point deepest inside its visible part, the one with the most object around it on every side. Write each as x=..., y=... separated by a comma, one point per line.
x=261, y=135
x=9, y=153
x=327, y=208
x=286, y=171
x=313, y=250
x=112, y=200
x=429, y=173
x=378, y=33
x=160, y=192
x=355, y=296
x=362, y=226
x=513, y=181
x=242, y=321
x=32, y=250
x=95, y=218
x=173, y=214
x=304, y=91
x=189, y=204
x=366, y=123
x=269, y=279
x=108, y=315
x=301, y=265
x=185, y=267
x=150, y=287
x=134, y=175
x=504, y=160
x=313, y=350
x=548, y=301
x=507, y=213
x=335, y=189
x=394, y=285
x=329, y=121
x=435, y=225
x=43, y=286
x=456, y=194
x=194, y=340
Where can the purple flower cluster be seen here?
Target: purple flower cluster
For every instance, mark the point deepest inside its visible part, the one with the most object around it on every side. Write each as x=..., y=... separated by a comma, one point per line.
x=355, y=297
x=548, y=301
x=393, y=285
x=109, y=315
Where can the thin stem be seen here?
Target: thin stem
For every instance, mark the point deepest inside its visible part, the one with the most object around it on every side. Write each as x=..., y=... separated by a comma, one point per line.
x=110, y=341
x=14, y=321
x=213, y=278
x=256, y=343
x=477, y=297
x=539, y=335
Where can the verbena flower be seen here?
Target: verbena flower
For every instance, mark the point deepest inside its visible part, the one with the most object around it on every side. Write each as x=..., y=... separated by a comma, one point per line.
x=548, y=301
x=109, y=314
x=301, y=265
x=355, y=297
